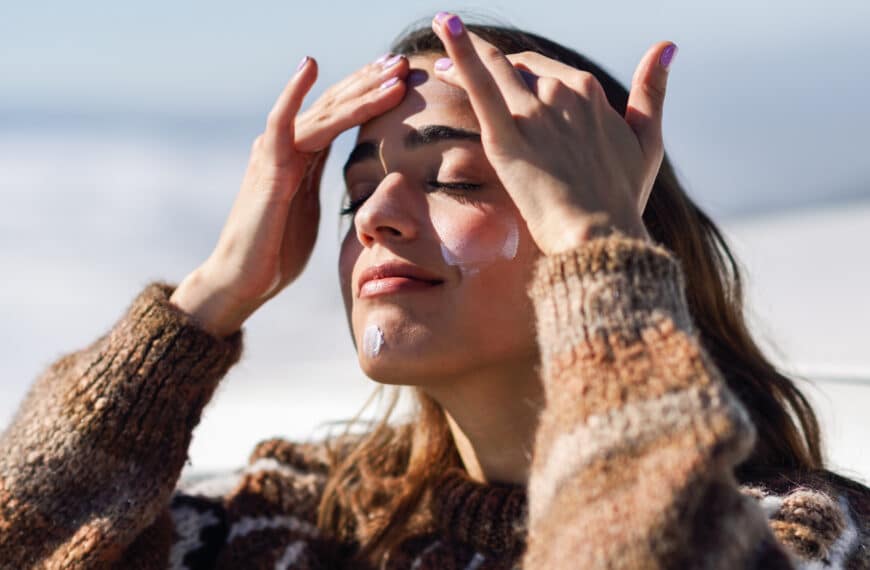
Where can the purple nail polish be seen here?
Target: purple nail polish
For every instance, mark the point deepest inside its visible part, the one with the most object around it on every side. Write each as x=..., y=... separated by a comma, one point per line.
x=668, y=55
x=443, y=64
x=389, y=82
x=391, y=61
x=302, y=63
x=383, y=58
x=440, y=16
x=454, y=26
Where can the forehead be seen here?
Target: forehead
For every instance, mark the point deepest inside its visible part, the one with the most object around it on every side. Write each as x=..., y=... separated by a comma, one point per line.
x=427, y=101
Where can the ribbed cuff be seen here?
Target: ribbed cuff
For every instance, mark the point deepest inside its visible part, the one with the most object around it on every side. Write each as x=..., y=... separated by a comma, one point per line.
x=609, y=290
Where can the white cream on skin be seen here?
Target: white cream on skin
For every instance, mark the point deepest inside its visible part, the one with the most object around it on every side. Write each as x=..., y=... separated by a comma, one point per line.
x=373, y=340
x=472, y=251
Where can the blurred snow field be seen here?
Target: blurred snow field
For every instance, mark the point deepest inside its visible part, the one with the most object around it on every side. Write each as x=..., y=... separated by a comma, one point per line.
x=90, y=218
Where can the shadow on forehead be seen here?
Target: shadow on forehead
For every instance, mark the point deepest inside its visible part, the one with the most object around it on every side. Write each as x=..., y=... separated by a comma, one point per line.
x=418, y=78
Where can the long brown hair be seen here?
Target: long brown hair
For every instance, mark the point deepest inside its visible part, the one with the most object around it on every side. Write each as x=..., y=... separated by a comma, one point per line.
x=378, y=491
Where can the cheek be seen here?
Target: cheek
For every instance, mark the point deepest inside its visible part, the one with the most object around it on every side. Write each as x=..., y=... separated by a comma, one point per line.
x=475, y=239
x=350, y=252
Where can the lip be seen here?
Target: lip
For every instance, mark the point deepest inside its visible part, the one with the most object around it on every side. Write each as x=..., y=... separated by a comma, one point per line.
x=394, y=277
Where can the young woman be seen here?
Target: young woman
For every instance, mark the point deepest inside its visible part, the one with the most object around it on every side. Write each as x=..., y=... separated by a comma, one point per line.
x=521, y=254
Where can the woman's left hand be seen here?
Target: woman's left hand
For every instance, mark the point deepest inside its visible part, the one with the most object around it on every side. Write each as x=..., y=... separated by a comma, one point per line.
x=570, y=162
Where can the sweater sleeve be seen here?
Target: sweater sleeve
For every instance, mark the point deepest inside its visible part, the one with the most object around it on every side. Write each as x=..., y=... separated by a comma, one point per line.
x=636, y=446
x=89, y=463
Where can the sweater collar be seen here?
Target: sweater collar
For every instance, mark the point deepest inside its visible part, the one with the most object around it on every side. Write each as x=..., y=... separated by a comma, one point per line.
x=487, y=516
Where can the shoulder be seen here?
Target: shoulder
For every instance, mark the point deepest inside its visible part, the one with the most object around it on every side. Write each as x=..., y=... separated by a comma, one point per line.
x=274, y=496
x=281, y=473
x=822, y=518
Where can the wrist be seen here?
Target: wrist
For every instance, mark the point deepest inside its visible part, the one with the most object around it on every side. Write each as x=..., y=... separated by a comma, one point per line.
x=575, y=231
x=212, y=308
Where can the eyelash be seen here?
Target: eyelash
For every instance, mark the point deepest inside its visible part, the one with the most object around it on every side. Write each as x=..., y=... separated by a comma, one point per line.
x=355, y=205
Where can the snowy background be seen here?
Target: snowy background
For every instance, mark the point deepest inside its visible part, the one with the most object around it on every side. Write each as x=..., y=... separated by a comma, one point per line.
x=124, y=132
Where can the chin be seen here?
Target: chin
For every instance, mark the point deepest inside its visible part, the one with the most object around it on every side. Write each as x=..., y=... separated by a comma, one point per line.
x=417, y=364
x=401, y=348
x=393, y=368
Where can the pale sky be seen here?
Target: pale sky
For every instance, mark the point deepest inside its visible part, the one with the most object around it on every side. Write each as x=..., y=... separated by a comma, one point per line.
x=767, y=102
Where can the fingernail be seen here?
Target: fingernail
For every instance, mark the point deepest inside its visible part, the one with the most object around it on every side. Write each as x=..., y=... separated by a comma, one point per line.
x=388, y=63
x=389, y=82
x=668, y=56
x=302, y=63
x=443, y=64
x=383, y=58
x=440, y=16
x=454, y=26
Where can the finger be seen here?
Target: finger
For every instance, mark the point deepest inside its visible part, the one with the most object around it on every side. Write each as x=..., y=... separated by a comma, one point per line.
x=482, y=72
x=371, y=91
x=278, y=136
x=581, y=82
x=313, y=173
x=647, y=98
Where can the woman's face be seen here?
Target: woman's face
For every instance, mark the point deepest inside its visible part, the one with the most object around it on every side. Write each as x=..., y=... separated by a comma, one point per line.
x=435, y=264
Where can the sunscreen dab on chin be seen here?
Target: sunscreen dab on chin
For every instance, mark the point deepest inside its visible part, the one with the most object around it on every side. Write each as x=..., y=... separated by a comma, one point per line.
x=373, y=341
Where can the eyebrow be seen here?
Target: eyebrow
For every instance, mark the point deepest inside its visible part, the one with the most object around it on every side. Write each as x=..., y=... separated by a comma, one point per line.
x=428, y=135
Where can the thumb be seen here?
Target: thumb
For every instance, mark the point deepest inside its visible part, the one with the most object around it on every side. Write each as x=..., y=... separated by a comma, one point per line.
x=647, y=98
x=279, y=135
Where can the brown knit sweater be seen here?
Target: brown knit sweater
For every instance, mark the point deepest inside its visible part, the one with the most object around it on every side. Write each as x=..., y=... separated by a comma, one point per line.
x=633, y=464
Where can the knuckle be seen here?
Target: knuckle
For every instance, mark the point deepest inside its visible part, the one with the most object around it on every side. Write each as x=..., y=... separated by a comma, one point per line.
x=656, y=92
x=587, y=82
x=549, y=88
x=490, y=53
x=322, y=115
x=258, y=143
x=528, y=55
x=537, y=111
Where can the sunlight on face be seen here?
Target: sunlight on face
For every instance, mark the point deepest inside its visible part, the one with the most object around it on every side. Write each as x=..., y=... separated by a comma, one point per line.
x=435, y=265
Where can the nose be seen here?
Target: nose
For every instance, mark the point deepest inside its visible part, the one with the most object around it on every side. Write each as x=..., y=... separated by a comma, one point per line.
x=388, y=214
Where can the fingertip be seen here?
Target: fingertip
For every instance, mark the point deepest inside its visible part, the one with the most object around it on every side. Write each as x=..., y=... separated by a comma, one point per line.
x=449, y=23
x=443, y=65
x=440, y=18
x=667, y=56
x=390, y=62
x=307, y=67
x=399, y=68
x=390, y=83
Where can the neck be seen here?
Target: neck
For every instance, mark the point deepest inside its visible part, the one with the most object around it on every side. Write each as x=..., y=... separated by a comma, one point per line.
x=493, y=416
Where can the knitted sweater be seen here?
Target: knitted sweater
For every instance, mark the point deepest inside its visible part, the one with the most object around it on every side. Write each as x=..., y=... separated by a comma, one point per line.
x=632, y=468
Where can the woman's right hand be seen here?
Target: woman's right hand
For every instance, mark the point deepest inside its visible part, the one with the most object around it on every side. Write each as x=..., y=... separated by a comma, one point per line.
x=272, y=227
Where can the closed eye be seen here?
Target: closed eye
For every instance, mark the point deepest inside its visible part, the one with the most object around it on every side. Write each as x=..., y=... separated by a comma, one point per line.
x=459, y=187
x=354, y=205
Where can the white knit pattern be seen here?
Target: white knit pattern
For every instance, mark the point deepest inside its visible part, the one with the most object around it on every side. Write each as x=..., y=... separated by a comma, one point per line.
x=418, y=562
x=291, y=555
x=301, y=480
x=840, y=549
x=475, y=561
x=188, y=523
x=248, y=525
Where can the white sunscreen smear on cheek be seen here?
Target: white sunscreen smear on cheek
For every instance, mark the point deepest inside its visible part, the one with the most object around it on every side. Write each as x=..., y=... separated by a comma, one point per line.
x=511, y=242
x=470, y=252
x=373, y=340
